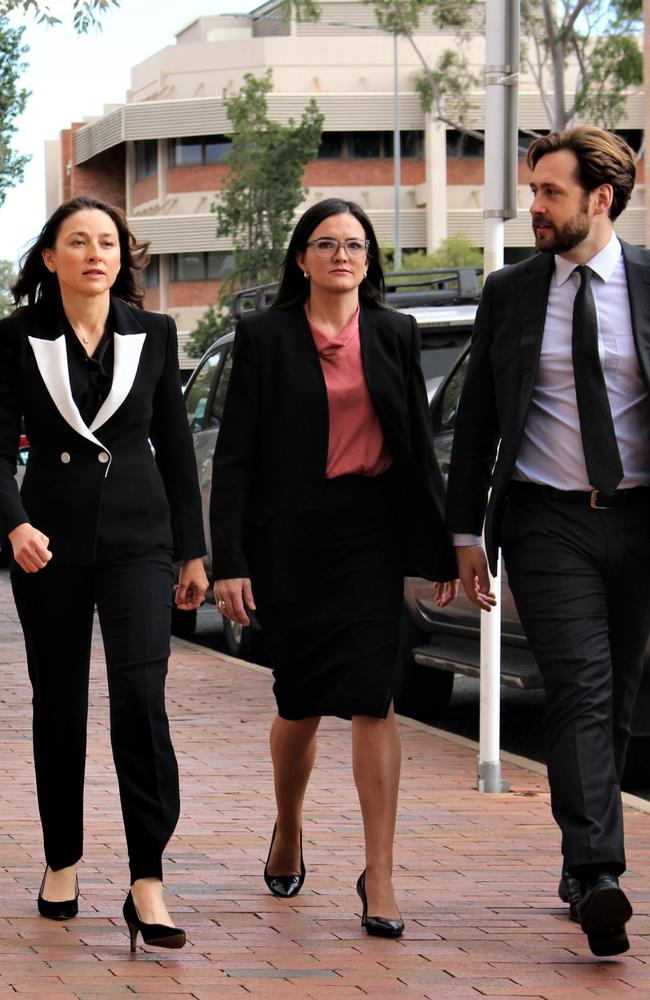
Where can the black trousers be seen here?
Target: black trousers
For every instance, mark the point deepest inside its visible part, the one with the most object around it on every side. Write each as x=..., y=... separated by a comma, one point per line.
x=55, y=606
x=581, y=582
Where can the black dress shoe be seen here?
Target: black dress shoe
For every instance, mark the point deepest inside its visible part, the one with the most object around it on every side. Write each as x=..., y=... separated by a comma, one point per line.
x=379, y=926
x=284, y=886
x=156, y=935
x=58, y=911
x=603, y=912
x=570, y=891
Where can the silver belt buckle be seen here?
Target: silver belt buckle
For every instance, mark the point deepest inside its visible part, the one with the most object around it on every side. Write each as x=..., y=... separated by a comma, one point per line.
x=593, y=501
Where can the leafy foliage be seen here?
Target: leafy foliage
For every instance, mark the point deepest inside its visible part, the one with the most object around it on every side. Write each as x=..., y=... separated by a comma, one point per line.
x=7, y=278
x=13, y=99
x=86, y=14
x=262, y=190
x=454, y=251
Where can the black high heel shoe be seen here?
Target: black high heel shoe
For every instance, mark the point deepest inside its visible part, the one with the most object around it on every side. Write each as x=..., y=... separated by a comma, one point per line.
x=157, y=935
x=284, y=886
x=379, y=926
x=58, y=911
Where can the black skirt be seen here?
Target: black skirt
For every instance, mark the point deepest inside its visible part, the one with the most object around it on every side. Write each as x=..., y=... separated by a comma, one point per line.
x=335, y=651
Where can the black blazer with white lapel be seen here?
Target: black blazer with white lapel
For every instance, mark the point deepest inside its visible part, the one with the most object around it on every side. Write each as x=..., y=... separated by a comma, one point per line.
x=81, y=479
x=271, y=454
x=500, y=380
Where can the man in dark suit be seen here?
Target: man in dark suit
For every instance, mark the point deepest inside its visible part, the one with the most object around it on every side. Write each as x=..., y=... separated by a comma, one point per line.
x=558, y=382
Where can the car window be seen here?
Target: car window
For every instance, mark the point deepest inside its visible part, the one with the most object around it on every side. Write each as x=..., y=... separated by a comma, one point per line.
x=196, y=398
x=441, y=349
x=219, y=398
x=444, y=417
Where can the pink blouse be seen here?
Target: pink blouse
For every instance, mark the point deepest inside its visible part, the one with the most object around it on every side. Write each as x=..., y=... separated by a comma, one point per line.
x=356, y=440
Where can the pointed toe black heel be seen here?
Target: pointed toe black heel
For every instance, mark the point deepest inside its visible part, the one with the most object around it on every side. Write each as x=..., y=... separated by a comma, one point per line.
x=58, y=911
x=284, y=886
x=156, y=935
x=378, y=926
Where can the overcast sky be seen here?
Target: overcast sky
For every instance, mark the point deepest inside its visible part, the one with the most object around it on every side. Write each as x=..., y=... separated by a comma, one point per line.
x=72, y=76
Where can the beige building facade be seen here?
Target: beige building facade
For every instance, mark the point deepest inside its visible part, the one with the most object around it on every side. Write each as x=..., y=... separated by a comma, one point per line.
x=160, y=155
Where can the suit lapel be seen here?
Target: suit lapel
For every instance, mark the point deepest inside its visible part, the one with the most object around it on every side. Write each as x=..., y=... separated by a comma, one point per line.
x=531, y=307
x=637, y=272
x=52, y=360
x=127, y=351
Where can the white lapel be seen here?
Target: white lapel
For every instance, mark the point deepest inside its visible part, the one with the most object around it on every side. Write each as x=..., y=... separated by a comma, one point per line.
x=125, y=365
x=52, y=360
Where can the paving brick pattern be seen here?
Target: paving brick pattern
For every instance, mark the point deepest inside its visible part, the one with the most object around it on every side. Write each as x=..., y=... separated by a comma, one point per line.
x=476, y=873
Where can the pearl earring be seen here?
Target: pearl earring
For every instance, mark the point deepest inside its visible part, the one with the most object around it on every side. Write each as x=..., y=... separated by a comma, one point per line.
x=365, y=274
x=306, y=274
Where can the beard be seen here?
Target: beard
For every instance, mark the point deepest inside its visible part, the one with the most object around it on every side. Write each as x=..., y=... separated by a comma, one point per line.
x=561, y=239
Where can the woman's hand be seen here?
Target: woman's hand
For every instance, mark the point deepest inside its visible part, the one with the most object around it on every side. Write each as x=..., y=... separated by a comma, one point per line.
x=445, y=592
x=31, y=547
x=192, y=585
x=233, y=597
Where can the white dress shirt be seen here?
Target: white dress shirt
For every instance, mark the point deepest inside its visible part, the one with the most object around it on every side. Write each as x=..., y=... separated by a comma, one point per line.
x=551, y=451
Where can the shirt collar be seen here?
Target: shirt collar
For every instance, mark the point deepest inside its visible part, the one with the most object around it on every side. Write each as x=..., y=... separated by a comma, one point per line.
x=602, y=263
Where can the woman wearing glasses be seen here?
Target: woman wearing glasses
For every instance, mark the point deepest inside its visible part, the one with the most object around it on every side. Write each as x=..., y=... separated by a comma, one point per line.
x=325, y=494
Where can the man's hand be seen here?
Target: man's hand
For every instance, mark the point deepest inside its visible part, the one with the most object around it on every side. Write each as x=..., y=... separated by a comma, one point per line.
x=31, y=547
x=474, y=576
x=233, y=597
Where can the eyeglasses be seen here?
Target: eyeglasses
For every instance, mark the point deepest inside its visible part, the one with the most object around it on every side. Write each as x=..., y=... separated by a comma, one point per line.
x=327, y=247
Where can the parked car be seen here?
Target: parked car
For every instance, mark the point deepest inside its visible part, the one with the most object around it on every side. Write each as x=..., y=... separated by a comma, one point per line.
x=439, y=643
x=445, y=328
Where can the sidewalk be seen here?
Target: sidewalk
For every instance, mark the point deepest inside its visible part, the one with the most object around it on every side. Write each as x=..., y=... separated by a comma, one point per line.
x=476, y=874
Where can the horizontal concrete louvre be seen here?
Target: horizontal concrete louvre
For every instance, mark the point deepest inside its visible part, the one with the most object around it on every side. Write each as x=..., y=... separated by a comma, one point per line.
x=354, y=112
x=179, y=233
x=518, y=232
x=168, y=119
x=413, y=227
x=356, y=19
x=101, y=134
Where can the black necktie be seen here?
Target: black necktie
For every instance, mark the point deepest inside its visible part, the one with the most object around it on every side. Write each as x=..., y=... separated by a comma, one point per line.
x=602, y=456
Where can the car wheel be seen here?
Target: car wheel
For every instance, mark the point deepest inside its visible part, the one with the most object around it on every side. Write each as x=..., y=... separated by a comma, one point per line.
x=422, y=692
x=183, y=623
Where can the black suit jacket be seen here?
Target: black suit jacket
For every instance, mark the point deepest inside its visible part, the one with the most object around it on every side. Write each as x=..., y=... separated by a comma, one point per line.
x=81, y=480
x=500, y=380
x=271, y=453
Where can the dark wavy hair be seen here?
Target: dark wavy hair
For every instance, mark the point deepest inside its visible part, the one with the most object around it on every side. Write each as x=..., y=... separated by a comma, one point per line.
x=603, y=158
x=39, y=286
x=293, y=287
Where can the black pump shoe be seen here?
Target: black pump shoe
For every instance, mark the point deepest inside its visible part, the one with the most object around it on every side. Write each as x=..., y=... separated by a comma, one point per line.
x=284, y=886
x=157, y=935
x=64, y=910
x=379, y=926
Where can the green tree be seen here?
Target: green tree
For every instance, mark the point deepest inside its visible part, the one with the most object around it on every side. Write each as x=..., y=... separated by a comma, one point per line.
x=7, y=278
x=13, y=99
x=86, y=14
x=262, y=190
x=601, y=37
x=454, y=251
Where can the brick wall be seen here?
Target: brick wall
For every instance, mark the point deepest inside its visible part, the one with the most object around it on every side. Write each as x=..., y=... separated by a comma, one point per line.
x=192, y=293
x=103, y=177
x=332, y=173
x=208, y=178
x=145, y=190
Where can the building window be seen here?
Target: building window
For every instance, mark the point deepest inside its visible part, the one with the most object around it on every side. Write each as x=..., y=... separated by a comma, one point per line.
x=200, y=266
x=151, y=273
x=460, y=145
x=370, y=145
x=146, y=158
x=198, y=150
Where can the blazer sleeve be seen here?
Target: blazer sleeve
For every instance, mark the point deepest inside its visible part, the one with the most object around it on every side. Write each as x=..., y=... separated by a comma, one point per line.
x=172, y=440
x=12, y=512
x=234, y=460
x=476, y=435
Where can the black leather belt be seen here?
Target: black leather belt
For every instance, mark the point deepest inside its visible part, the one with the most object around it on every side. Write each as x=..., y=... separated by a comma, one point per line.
x=637, y=496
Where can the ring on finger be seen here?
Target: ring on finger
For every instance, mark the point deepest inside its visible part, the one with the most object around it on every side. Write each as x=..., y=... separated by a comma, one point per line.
x=221, y=604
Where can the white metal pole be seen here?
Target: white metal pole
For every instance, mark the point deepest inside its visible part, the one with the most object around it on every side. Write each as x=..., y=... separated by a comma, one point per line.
x=501, y=59
x=397, y=161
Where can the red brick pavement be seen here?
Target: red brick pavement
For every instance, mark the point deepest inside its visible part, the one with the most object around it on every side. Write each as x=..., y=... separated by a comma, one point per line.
x=476, y=874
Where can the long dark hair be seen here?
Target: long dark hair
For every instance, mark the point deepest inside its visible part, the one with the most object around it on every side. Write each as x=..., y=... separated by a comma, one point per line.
x=39, y=286
x=293, y=287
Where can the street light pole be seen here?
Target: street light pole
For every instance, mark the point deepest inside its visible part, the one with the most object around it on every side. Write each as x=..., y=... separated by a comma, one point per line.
x=397, y=162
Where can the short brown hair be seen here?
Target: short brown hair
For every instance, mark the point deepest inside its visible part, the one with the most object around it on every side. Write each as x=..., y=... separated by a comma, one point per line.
x=603, y=158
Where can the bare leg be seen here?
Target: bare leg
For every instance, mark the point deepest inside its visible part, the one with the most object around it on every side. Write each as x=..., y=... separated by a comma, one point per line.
x=60, y=885
x=148, y=898
x=376, y=758
x=293, y=751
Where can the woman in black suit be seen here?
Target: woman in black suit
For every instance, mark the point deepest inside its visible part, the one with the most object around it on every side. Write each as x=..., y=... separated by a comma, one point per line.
x=325, y=494
x=96, y=525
